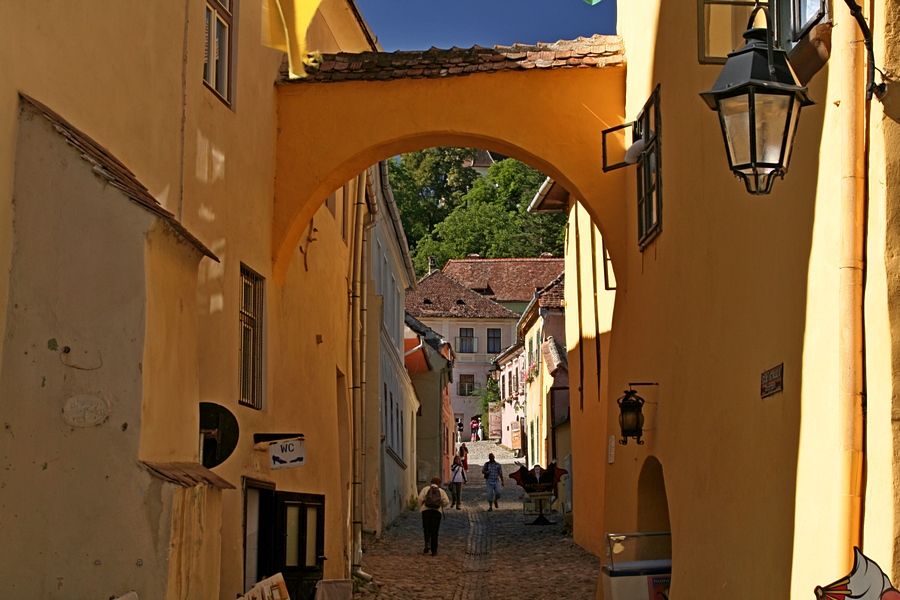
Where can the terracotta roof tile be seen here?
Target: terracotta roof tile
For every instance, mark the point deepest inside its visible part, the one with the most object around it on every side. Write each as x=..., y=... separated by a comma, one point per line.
x=440, y=296
x=505, y=279
x=554, y=356
x=553, y=296
x=593, y=52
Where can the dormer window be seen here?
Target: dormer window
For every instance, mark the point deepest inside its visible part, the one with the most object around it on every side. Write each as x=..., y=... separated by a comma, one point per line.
x=426, y=301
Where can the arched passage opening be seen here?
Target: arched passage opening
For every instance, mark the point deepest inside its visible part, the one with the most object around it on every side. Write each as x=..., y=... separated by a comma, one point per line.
x=653, y=509
x=551, y=119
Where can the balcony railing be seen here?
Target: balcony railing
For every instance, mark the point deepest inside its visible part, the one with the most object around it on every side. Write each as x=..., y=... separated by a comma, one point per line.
x=466, y=345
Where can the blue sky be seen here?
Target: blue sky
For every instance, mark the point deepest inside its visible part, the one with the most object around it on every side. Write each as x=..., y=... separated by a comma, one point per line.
x=421, y=24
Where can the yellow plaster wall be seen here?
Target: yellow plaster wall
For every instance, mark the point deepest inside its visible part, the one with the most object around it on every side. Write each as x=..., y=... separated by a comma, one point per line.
x=734, y=285
x=170, y=419
x=130, y=77
x=565, y=111
x=588, y=395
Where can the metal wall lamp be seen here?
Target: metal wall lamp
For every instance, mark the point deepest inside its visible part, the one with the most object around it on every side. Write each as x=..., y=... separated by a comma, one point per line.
x=758, y=100
x=631, y=417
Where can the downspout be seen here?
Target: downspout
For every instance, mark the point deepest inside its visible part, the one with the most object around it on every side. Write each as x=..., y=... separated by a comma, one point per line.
x=357, y=366
x=852, y=219
x=364, y=344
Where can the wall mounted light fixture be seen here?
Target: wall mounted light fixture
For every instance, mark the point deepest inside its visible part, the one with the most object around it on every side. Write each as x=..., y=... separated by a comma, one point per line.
x=758, y=100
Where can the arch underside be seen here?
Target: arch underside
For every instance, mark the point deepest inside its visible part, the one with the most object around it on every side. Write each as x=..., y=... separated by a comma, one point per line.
x=552, y=120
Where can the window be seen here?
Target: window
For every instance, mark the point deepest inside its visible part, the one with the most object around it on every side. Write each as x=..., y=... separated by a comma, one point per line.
x=649, y=166
x=217, y=51
x=466, y=342
x=643, y=151
x=466, y=385
x=722, y=23
x=251, y=318
x=493, y=339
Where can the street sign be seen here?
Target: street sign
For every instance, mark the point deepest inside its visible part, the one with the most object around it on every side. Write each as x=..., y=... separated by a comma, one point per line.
x=284, y=454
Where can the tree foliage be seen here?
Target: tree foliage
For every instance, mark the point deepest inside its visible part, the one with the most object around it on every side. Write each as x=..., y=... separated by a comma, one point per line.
x=428, y=185
x=457, y=214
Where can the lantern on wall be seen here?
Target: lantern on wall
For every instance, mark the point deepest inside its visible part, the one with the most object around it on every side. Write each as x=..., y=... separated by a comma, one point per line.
x=631, y=417
x=758, y=100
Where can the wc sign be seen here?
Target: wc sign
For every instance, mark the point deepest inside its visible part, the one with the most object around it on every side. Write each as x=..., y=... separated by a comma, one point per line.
x=285, y=454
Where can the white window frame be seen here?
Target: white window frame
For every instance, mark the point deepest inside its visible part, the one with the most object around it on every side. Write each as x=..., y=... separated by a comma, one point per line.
x=218, y=76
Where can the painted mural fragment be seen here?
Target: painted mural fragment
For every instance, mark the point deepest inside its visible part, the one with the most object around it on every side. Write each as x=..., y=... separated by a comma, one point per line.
x=865, y=582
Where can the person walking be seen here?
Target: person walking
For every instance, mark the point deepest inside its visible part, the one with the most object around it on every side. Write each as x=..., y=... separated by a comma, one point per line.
x=459, y=431
x=480, y=431
x=493, y=479
x=432, y=499
x=457, y=479
x=474, y=426
x=464, y=456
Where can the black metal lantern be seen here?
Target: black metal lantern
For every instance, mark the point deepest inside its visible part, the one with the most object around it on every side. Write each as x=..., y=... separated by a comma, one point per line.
x=631, y=417
x=758, y=100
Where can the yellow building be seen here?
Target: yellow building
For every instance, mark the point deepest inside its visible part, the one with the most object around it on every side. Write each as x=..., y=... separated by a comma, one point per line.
x=150, y=351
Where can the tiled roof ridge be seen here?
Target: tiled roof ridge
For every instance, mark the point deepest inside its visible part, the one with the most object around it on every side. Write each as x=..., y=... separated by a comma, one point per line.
x=114, y=172
x=582, y=52
x=519, y=259
x=559, y=279
x=501, y=311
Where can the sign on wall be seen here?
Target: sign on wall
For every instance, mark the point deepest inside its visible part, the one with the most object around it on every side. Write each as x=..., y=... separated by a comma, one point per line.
x=284, y=454
x=771, y=381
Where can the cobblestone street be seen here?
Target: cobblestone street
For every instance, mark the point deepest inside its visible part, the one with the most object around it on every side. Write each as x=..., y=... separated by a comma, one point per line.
x=482, y=555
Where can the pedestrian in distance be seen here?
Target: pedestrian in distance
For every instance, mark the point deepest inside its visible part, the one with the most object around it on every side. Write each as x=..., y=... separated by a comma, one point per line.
x=464, y=456
x=459, y=431
x=474, y=426
x=493, y=479
x=432, y=499
x=457, y=479
x=480, y=431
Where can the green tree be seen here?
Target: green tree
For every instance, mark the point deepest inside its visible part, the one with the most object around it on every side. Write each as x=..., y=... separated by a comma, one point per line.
x=428, y=185
x=491, y=220
x=484, y=397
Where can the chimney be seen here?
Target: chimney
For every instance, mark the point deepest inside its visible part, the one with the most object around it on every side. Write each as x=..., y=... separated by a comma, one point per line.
x=432, y=264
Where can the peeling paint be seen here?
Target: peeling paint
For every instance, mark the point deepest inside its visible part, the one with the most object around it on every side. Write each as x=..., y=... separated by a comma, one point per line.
x=52, y=344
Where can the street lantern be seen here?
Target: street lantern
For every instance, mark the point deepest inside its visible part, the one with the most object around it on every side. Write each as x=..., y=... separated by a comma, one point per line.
x=758, y=100
x=631, y=417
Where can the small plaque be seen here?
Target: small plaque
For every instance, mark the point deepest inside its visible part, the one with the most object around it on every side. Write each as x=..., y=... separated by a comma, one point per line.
x=771, y=381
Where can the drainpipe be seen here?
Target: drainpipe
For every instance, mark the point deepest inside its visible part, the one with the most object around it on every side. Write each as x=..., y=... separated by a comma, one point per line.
x=852, y=215
x=357, y=366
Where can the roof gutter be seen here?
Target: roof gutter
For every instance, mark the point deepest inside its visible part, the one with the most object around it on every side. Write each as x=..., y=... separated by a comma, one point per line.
x=541, y=195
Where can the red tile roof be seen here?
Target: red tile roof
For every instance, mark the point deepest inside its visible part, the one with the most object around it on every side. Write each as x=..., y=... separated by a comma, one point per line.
x=505, y=279
x=596, y=51
x=553, y=296
x=439, y=296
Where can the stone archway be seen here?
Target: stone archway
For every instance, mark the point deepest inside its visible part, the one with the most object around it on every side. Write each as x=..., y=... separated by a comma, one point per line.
x=524, y=104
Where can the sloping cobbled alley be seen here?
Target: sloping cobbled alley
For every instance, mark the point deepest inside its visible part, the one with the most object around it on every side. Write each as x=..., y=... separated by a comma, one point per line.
x=482, y=555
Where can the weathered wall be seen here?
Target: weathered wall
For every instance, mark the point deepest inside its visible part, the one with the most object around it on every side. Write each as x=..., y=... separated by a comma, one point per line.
x=130, y=77
x=91, y=521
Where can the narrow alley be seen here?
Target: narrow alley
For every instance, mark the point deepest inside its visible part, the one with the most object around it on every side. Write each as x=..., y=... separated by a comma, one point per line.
x=482, y=555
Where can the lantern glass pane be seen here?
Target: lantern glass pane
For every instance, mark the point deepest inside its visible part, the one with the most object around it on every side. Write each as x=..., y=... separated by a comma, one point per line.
x=735, y=113
x=792, y=129
x=772, y=111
